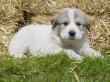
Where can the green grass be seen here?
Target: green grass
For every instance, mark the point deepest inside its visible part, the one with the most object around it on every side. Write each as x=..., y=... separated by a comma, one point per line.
x=57, y=68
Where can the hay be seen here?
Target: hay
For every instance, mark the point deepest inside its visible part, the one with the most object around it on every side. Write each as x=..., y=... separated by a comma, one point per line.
x=12, y=17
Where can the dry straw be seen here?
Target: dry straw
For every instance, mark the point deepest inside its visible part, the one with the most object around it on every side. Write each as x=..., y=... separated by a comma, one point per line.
x=16, y=13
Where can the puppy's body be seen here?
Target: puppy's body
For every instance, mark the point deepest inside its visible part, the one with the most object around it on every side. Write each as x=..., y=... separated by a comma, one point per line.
x=67, y=33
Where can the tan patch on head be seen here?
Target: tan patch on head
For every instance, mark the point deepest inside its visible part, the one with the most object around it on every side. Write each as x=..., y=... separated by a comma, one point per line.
x=60, y=18
x=80, y=17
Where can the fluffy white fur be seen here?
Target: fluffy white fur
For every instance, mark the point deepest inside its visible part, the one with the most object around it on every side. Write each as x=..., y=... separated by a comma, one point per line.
x=41, y=40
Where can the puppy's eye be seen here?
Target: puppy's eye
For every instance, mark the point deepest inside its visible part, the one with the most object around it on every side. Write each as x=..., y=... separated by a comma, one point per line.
x=65, y=23
x=78, y=24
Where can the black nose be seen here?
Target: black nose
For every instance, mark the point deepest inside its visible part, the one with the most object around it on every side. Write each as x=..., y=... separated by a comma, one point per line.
x=72, y=33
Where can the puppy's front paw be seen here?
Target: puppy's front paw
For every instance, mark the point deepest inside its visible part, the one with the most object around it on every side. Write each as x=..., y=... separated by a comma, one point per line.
x=97, y=54
x=78, y=58
x=74, y=55
x=89, y=52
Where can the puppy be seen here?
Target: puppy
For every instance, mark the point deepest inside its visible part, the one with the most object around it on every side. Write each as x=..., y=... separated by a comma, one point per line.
x=67, y=33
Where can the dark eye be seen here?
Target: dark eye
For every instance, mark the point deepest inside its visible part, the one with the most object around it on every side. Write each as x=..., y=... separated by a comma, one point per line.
x=78, y=24
x=65, y=23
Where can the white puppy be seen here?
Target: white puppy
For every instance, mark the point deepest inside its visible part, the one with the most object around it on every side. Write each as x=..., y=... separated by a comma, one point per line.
x=67, y=33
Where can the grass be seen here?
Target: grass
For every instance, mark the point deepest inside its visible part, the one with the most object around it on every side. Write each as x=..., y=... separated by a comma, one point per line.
x=57, y=68
x=17, y=13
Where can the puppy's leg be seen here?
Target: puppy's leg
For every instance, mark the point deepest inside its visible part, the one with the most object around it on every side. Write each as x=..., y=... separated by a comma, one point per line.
x=56, y=50
x=17, y=50
x=17, y=53
x=69, y=52
x=73, y=55
x=91, y=52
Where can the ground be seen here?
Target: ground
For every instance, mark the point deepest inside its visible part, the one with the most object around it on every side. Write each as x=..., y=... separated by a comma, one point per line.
x=57, y=68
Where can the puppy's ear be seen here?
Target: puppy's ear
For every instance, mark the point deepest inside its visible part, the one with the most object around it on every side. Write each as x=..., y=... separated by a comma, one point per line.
x=81, y=17
x=54, y=22
x=87, y=25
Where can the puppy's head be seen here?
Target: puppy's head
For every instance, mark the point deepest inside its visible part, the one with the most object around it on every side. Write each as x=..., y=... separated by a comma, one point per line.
x=70, y=24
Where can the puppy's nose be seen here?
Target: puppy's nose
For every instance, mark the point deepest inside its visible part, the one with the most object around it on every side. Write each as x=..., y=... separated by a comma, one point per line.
x=72, y=33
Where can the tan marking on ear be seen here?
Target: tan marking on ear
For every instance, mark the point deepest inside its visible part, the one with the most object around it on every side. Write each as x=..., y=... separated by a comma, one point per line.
x=61, y=17
x=81, y=17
